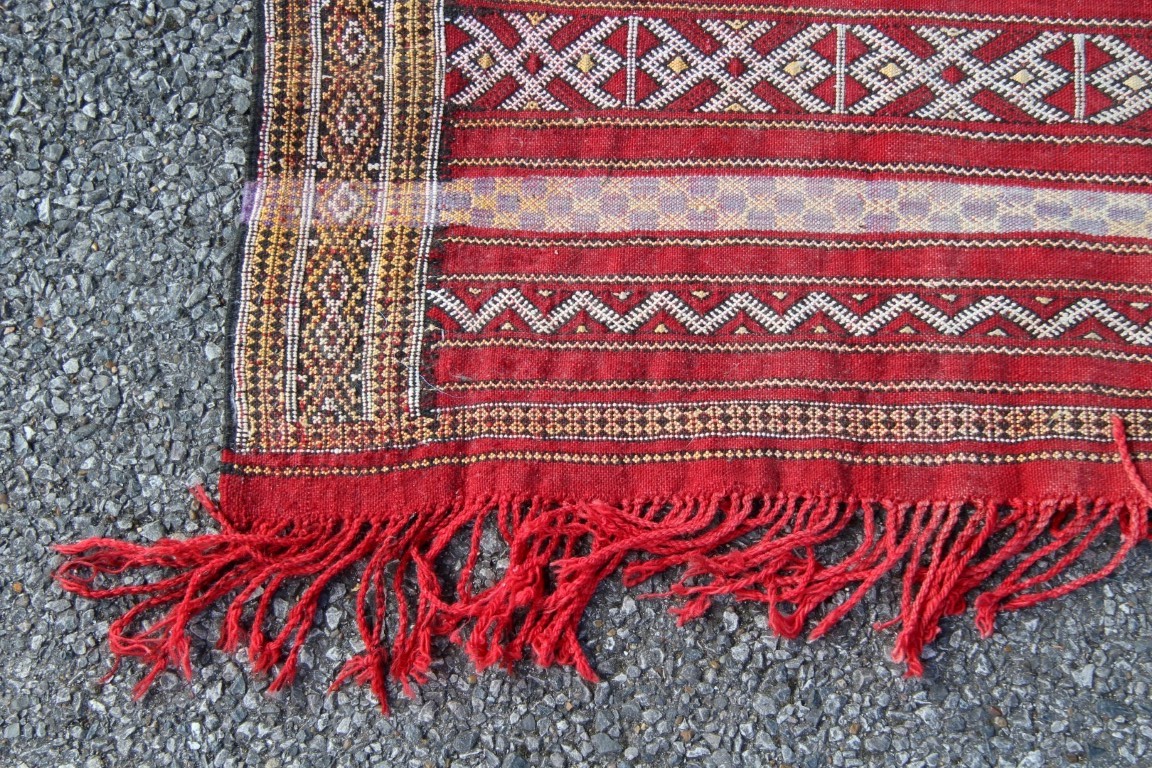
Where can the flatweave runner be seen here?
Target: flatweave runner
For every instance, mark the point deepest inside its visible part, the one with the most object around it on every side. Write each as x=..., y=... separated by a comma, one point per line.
x=749, y=300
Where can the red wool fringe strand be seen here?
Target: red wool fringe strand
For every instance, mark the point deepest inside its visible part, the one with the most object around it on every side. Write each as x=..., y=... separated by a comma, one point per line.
x=997, y=556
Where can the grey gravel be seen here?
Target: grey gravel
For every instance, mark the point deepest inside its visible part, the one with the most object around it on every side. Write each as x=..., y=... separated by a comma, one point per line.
x=124, y=127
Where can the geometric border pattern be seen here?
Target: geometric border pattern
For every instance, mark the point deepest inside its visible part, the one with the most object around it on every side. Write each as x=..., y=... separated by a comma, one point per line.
x=705, y=314
x=788, y=420
x=329, y=315
x=510, y=61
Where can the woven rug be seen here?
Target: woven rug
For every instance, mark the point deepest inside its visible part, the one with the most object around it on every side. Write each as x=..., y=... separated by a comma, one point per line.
x=734, y=300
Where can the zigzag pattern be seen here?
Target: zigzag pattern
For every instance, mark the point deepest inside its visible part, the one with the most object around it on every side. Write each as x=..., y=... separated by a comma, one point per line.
x=853, y=323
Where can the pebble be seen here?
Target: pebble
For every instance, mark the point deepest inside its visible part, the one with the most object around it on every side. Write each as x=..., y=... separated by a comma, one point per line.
x=1084, y=676
x=731, y=622
x=605, y=744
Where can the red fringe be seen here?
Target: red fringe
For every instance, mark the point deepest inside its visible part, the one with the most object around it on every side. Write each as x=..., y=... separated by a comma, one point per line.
x=748, y=547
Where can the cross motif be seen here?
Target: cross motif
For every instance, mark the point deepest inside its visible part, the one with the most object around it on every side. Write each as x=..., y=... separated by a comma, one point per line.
x=585, y=64
x=735, y=68
x=1127, y=79
x=954, y=75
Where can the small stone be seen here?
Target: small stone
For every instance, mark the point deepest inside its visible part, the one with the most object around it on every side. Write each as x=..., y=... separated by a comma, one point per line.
x=110, y=397
x=1085, y=676
x=1032, y=760
x=606, y=745
x=731, y=622
x=930, y=715
x=152, y=531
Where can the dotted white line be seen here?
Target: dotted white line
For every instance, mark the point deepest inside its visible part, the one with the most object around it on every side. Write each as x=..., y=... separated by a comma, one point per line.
x=383, y=204
x=308, y=202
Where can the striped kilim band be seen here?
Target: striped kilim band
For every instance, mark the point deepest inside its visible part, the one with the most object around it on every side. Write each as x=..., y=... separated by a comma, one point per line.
x=684, y=290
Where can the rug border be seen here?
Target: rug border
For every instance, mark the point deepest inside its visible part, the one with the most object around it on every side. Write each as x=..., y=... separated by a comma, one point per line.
x=240, y=241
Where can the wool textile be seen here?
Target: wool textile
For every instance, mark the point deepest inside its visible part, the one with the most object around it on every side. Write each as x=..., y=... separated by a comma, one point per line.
x=744, y=299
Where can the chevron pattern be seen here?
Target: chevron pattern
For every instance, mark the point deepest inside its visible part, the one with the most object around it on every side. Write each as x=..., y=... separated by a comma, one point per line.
x=885, y=314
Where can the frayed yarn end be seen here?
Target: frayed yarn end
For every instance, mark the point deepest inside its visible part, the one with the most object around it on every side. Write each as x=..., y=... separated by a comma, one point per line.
x=777, y=550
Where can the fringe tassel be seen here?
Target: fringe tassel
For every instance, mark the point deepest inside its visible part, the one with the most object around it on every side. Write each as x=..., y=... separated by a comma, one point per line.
x=747, y=547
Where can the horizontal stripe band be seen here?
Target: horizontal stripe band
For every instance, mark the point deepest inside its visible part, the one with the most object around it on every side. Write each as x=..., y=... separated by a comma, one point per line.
x=744, y=9
x=818, y=385
x=711, y=314
x=612, y=204
x=789, y=419
x=704, y=347
x=821, y=205
x=542, y=241
x=942, y=283
x=618, y=459
x=774, y=123
x=645, y=165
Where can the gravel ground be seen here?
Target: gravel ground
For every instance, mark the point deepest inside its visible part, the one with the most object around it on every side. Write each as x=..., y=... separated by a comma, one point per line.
x=120, y=165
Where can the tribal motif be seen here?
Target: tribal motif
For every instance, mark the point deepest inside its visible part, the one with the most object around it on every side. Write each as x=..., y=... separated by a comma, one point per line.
x=584, y=64
x=702, y=313
x=341, y=334
x=735, y=69
x=553, y=62
x=326, y=345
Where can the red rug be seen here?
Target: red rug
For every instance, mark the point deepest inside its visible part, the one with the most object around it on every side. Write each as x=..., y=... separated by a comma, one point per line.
x=768, y=301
